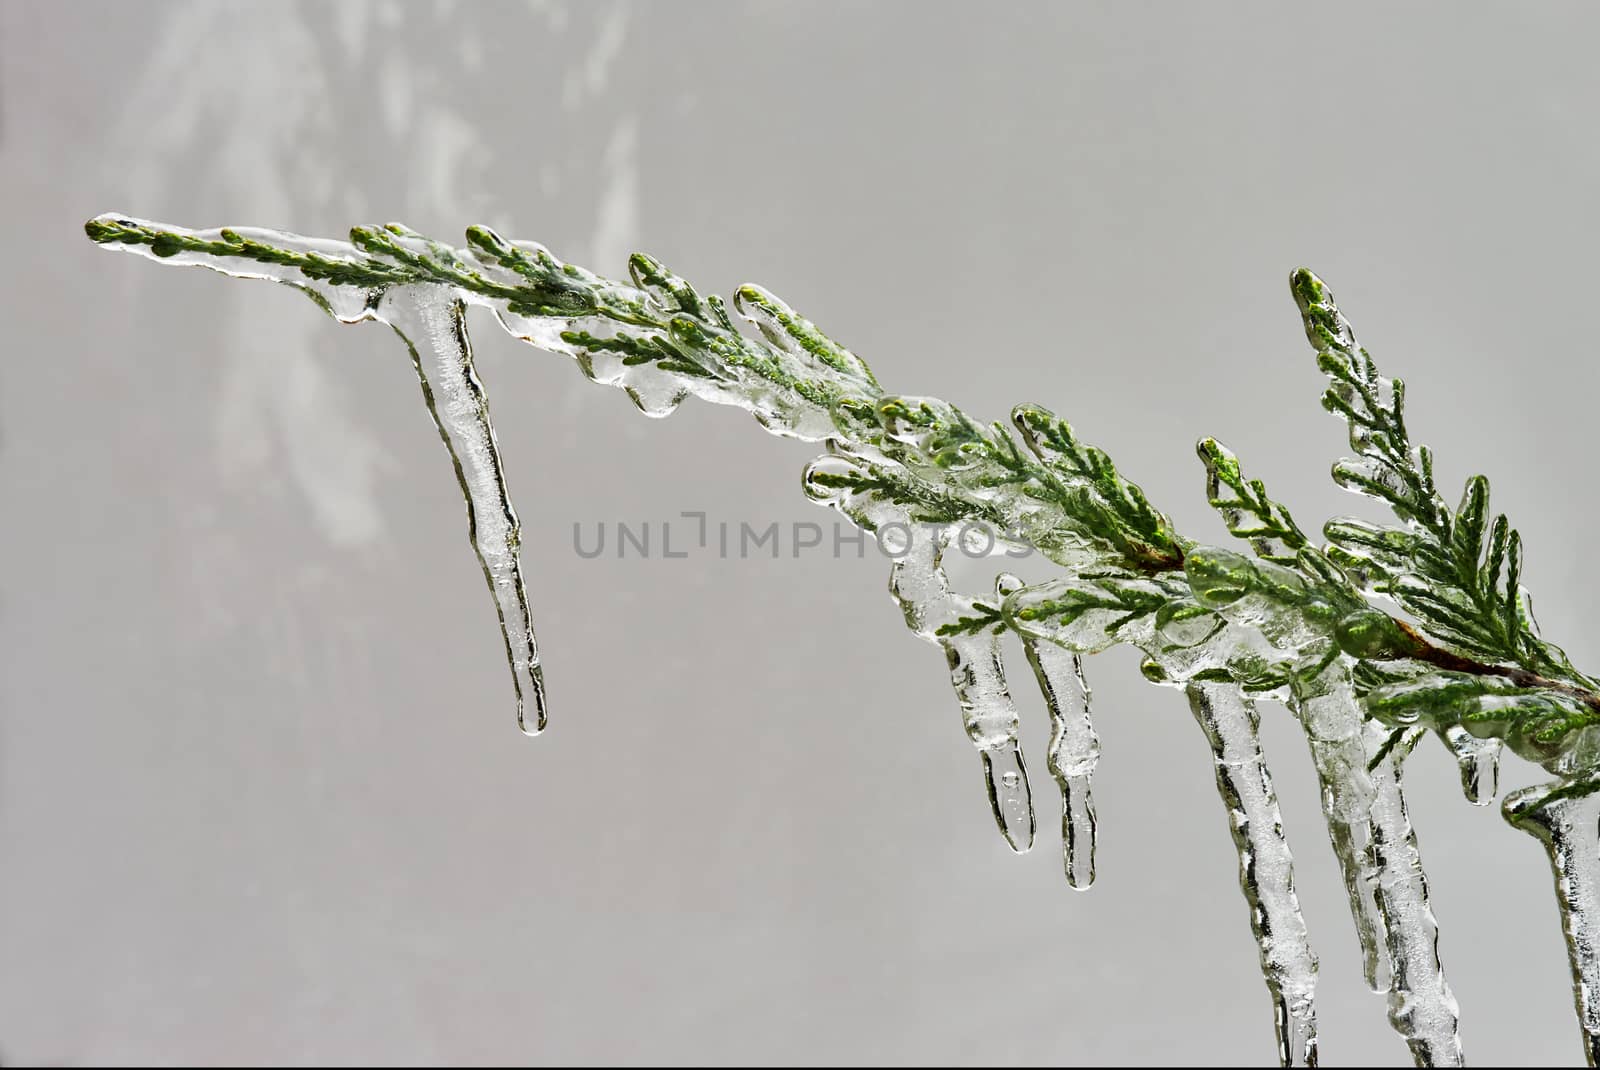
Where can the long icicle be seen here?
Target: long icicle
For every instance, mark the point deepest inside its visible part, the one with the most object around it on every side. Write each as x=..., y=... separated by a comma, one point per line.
x=1074, y=746
x=1332, y=723
x=432, y=320
x=1266, y=868
x=1568, y=824
x=1422, y=1008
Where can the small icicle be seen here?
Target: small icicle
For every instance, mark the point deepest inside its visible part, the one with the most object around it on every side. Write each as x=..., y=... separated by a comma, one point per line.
x=1266, y=868
x=1007, y=780
x=1074, y=746
x=1479, y=761
x=1422, y=1008
x=1569, y=828
x=433, y=323
x=918, y=582
x=1332, y=722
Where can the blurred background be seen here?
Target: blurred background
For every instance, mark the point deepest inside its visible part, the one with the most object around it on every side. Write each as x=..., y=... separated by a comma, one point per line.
x=261, y=793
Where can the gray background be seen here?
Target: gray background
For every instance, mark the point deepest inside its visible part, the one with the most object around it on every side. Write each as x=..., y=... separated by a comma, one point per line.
x=261, y=797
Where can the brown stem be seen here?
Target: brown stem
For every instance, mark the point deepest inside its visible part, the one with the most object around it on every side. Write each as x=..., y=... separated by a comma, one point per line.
x=1423, y=650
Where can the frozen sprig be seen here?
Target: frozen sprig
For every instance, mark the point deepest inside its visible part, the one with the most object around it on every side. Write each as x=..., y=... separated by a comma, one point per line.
x=1077, y=472
x=1048, y=491
x=1284, y=624
x=1034, y=483
x=1533, y=721
x=1245, y=507
x=1458, y=571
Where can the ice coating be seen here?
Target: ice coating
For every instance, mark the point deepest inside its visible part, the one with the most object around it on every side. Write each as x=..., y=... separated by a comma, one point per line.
x=1088, y=614
x=430, y=318
x=348, y=279
x=1569, y=827
x=1479, y=762
x=1195, y=649
x=1357, y=763
x=432, y=321
x=1332, y=721
x=918, y=582
x=660, y=341
x=1074, y=746
x=939, y=615
x=1422, y=1008
x=1266, y=868
x=1359, y=767
x=370, y=278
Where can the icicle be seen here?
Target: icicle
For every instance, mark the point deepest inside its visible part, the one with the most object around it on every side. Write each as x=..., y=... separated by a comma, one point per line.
x=432, y=321
x=1479, y=761
x=1569, y=828
x=1422, y=1008
x=918, y=583
x=1266, y=868
x=1332, y=723
x=1074, y=747
x=1377, y=849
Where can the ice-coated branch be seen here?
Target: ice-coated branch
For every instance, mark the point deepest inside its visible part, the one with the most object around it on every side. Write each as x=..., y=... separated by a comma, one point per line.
x=1296, y=623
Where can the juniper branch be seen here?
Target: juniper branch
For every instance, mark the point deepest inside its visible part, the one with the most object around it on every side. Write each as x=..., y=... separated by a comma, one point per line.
x=1457, y=572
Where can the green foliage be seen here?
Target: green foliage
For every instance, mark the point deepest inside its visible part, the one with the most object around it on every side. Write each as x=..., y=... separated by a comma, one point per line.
x=1477, y=660
x=1458, y=572
x=1534, y=721
x=1089, y=612
x=1084, y=476
x=231, y=245
x=1245, y=507
x=984, y=618
x=1073, y=506
x=782, y=326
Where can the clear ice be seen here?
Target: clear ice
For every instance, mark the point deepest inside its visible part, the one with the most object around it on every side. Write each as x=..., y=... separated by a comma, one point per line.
x=1478, y=761
x=1377, y=850
x=660, y=341
x=1422, y=1008
x=1191, y=650
x=1074, y=746
x=1363, y=803
x=1569, y=827
x=1332, y=721
x=918, y=582
x=432, y=320
x=1266, y=869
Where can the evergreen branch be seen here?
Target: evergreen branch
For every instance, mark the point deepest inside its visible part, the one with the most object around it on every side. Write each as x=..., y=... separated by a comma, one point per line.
x=1076, y=507
x=1197, y=612
x=1458, y=572
x=1088, y=612
x=1535, y=721
x=230, y=244
x=1146, y=536
x=1248, y=512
